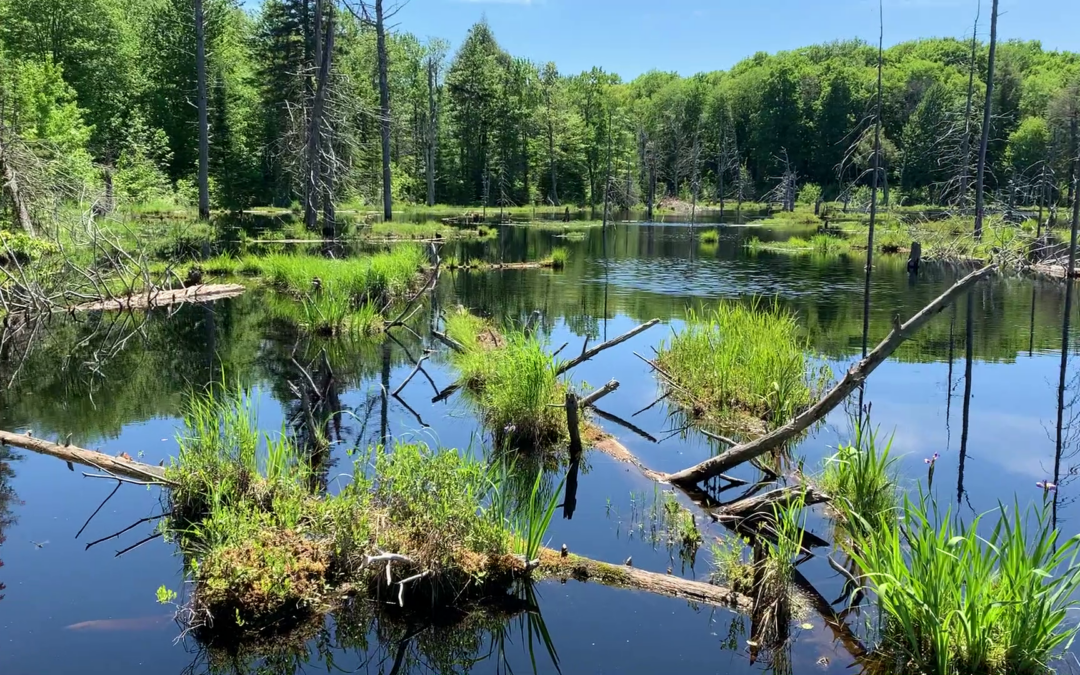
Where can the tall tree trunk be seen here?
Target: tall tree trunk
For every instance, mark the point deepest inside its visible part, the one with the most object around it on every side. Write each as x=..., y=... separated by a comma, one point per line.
x=525, y=165
x=204, y=124
x=980, y=172
x=551, y=159
x=384, y=110
x=965, y=145
x=1070, y=282
x=651, y=192
x=873, y=187
x=607, y=173
x=432, y=130
x=18, y=198
x=314, y=187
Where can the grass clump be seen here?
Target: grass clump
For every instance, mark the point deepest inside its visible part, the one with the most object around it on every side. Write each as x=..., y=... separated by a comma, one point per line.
x=263, y=548
x=862, y=477
x=953, y=602
x=741, y=365
x=558, y=258
x=512, y=380
x=710, y=237
x=821, y=244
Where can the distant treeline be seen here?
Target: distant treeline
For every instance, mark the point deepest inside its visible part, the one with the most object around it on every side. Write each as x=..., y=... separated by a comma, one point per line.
x=112, y=82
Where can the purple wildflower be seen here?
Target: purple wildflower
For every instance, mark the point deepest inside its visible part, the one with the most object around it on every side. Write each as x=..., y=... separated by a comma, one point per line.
x=931, y=460
x=1046, y=486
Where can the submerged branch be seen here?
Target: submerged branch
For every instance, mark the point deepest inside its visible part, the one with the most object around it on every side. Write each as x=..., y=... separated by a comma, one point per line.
x=586, y=355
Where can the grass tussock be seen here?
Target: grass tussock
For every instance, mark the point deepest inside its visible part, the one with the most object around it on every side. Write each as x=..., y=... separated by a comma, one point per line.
x=558, y=258
x=820, y=244
x=709, y=237
x=512, y=380
x=862, y=477
x=953, y=602
x=741, y=365
x=261, y=545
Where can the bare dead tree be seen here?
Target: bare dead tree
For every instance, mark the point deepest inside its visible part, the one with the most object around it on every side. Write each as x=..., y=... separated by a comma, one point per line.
x=874, y=182
x=980, y=173
x=965, y=151
x=436, y=54
x=204, y=124
x=1069, y=285
x=384, y=110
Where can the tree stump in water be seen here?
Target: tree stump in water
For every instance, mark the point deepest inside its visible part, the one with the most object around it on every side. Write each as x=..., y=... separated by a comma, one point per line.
x=914, y=258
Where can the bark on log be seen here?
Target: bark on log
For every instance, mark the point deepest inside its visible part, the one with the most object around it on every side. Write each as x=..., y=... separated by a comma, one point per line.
x=851, y=381
x=448, y=341
x=77, y=455
x=585, y=356
x=199, y=293
x=18, y=198
x=764, y=504
x=573, y=426
x=598, y=394
x=620, y=576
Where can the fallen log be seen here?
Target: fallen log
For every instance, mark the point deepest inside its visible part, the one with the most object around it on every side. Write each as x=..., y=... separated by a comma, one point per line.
x=586, y=355
x=595, y=396
x=858, y=373
x=764, y=505
x=76, y=455
x=163, y=298
x=554, y=564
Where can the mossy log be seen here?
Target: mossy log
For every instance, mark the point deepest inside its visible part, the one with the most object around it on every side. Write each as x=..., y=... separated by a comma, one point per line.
x=555, y=565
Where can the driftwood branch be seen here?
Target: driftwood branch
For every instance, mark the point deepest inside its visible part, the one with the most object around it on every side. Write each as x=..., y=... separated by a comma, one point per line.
x=851, y=381
x=97, y=460
x=598, y=394
x=588, y=354
x=448, y=341
x=419, y=365
x=162, y=298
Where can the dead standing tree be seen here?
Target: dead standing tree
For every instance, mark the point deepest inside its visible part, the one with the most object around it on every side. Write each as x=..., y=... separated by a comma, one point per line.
x=980, y=172
x=204, y=125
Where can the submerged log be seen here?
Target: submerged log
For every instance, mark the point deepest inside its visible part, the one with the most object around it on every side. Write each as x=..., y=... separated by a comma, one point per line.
x=851, y=381
x=76, y=455
x=764, y=505
x=163, y=298
x=554, y=564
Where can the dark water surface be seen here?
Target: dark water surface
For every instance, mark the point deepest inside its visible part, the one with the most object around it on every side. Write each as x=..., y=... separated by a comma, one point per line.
x=119, y=384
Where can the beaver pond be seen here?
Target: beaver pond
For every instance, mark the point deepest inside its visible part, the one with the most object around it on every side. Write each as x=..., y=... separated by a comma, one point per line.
x=974, y=395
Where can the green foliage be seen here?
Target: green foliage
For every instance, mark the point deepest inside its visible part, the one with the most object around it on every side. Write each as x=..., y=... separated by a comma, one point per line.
x=741, y=361
x=809, y=193
x=820, y=244
x=558, y=259
x=710, y=237
x=862, y=477
x=512, y=380
x=953, y=602
x=729, y=564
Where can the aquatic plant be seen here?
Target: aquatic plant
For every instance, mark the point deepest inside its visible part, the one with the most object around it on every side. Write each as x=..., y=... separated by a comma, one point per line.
x=822, y=244
x=709, y=237
x=862, y=477
x=729, y=564
x=739, y=363
x=558, y=258
x=953, y=602
x=376, y=278
x=512, y=380
x=260, y=544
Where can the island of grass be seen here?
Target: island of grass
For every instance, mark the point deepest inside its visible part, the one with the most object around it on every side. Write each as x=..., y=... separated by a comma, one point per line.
x=512, y=381
x=556, y=260
x=262, y=548
x=741, y=367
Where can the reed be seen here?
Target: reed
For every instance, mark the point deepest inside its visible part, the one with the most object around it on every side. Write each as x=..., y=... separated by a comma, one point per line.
x=741, y=362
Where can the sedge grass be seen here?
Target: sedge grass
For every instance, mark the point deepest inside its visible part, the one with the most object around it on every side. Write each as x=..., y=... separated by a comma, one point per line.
x=740, y=365
x=558, y=258
x=709, y=237
x=953, y=603
x=260, y=544
x=862, y=477
x=821, y=244
x=513, y=381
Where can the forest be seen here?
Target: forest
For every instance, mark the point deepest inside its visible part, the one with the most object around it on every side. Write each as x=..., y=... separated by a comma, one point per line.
x=96, y=86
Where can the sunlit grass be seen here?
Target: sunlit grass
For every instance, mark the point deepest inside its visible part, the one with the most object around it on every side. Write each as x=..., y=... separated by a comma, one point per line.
x=953, y=602
x=861, y=477
x=261, y=543
x=741, y=360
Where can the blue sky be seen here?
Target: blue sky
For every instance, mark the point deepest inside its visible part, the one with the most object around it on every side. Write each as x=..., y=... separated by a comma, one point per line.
x=630, y=37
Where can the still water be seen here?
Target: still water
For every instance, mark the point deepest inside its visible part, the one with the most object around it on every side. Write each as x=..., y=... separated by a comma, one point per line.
x=119, y=383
